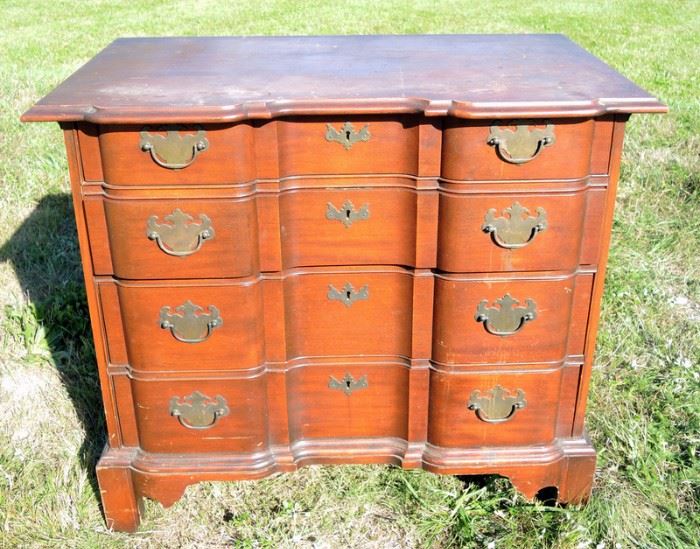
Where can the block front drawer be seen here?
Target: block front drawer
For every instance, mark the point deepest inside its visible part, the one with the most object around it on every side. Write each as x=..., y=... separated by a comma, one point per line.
x=351, y=401
x=199, y=325
x=523, y=149
x=350, y=312
x=176, y=155
x=501, y=319
x=347, y=145
x=172, y=238
x=353, y=226
x=201, y=415
x=552, y=228
x=500, y=408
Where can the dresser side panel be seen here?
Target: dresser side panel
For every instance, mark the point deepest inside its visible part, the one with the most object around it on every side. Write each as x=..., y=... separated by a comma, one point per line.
x=74, y=166
x=599, y=280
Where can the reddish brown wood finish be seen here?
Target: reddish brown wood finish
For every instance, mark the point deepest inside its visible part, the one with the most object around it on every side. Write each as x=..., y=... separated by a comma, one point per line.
x=304, y=150
x=237, y=343
x=387, y=236
x=466, y=154
x=464, y=246
x=243, y=430
x=378, y=410
x=228, y=159
x=427, y=175
x=232, y=252
x=459, y=338
x=453, y=424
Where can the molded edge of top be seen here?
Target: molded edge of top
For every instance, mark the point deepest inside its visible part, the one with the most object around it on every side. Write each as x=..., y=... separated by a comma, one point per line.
x=256, y=110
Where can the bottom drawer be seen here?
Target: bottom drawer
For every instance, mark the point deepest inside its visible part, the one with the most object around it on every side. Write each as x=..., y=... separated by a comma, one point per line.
x=348, y=401
x=501, y=408
x=201, y=415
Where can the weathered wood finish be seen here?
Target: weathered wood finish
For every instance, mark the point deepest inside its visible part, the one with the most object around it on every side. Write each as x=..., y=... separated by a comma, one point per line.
x=309, y=372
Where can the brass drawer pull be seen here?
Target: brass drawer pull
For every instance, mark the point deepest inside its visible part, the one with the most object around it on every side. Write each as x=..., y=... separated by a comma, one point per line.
x=347, y=213
x=496, y=405
x=198, y=411
x=348, y=384
x=347, y=136
x=507, y=318
x=348, y=295
x=180, y=236
x=174, y=150
x=523, y=144
x=516, y=228
x=189, y=323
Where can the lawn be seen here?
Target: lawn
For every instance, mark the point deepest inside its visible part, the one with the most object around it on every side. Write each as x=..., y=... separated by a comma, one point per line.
x=644, y=413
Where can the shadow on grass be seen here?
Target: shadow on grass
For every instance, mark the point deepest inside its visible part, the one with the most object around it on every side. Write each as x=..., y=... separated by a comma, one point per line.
x=44, y=254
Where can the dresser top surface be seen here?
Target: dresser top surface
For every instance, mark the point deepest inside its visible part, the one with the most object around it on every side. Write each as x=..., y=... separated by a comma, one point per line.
x=217, y=79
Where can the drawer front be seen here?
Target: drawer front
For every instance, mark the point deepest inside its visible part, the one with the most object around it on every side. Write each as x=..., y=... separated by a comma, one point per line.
x=171, y=238
x=198, y=416
x=193, y=327
x=352, y=145
x=494, y=319
x=349, y=313
x=352, y=226
x=497, y=408
x=514, y=231
x=348, y=401
x=173, y=155
x=530, y=149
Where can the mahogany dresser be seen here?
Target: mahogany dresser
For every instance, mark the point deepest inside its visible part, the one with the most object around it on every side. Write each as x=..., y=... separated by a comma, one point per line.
x=343, y=249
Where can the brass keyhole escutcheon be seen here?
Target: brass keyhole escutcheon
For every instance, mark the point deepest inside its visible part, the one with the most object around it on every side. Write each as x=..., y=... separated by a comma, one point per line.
x=347, y=136
x=348, y=295
x=347, y=214
x=348, y=384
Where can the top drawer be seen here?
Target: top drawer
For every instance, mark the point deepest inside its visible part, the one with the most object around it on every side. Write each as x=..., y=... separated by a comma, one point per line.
x=237, y=153
x=171, y=155
x=517, y=149
x=354, y=145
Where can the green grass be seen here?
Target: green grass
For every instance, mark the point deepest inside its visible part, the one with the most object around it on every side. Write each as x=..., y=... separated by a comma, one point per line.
x=644, y=413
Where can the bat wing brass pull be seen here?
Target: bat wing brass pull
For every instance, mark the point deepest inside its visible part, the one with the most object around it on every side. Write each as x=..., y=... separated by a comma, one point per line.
x=347, y=136
x=347, y=214
x=516, y=228
x=198, y=411
x=180, y=236
x=174, y=150
x=189, y=323
x=496, y=405
x=348, y=384
x=523, y=144
x=348, y=295
x=507, y=318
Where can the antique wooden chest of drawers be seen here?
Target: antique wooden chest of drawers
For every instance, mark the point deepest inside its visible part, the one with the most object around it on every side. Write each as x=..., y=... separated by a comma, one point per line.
x=306, y=250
